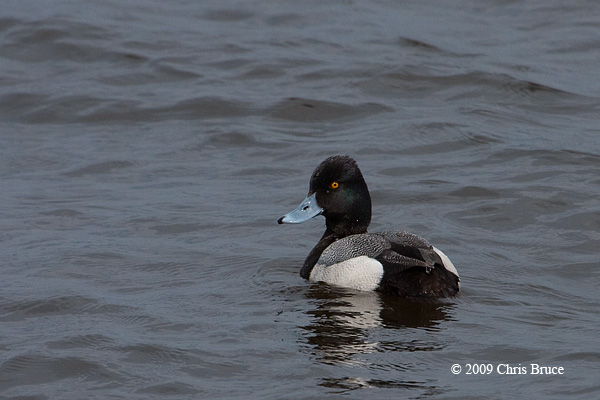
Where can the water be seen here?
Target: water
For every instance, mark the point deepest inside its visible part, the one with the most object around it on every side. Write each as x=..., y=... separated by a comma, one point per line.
x=147, y=149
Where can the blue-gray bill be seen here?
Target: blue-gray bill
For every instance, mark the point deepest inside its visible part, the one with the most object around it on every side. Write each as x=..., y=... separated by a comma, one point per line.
x=306, y=210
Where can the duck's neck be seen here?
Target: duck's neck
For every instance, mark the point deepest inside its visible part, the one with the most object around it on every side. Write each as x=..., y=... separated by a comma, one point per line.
x=316, y=252
x=339, y=225
x=347, y=225
x=332, y=234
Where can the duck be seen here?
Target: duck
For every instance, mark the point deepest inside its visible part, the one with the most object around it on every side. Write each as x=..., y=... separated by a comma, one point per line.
x=394, y=263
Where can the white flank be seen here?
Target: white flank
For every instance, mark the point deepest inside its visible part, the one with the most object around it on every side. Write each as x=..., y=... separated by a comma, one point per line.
x=447, y=263
x=360, y=273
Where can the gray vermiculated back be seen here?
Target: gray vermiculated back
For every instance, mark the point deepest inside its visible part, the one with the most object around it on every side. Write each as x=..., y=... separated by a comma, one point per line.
x=365, y=244
x=407, y=239
x=368, y=244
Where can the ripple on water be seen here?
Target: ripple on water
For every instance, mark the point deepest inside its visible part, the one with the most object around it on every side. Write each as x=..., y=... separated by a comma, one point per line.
x=99, y=168
x=312, y=110
x=41, y=369
x=90, y=341
x=173, y=388
x=62, y=305
x=40, y=109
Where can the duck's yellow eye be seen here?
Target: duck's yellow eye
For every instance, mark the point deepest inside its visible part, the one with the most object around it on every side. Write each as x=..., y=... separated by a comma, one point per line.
x=334, y=185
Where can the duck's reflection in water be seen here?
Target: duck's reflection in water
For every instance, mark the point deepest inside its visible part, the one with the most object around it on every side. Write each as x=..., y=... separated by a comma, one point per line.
x=343, y=322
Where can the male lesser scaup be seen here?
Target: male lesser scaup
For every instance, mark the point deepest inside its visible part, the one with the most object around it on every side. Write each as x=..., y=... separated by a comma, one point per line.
x=397, y=263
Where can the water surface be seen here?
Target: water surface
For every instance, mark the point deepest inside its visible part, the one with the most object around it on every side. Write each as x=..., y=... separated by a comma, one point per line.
x=148, y=148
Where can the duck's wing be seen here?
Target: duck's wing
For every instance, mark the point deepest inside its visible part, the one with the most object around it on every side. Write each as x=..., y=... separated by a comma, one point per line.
x=413, y=268
x=406, y=238
x=406, y=250
x=399, y=250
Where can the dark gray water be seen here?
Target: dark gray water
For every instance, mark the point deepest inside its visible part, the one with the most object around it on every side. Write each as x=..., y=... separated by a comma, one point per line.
x=148, y=147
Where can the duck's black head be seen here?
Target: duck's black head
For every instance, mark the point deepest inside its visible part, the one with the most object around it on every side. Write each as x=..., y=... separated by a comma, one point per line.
x=339, y=192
